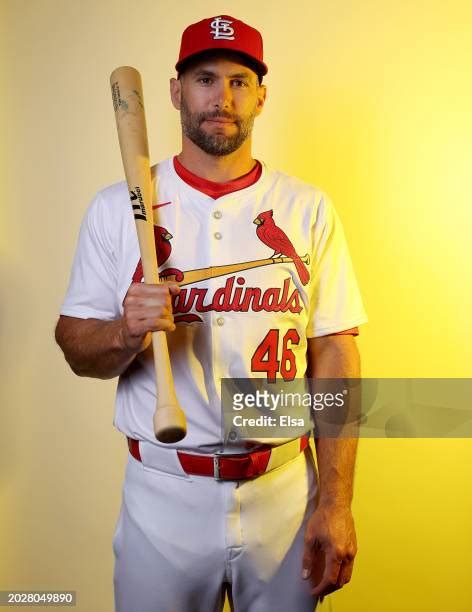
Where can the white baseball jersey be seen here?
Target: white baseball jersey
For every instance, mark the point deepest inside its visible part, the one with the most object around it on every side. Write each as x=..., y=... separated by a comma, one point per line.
x=261, y=270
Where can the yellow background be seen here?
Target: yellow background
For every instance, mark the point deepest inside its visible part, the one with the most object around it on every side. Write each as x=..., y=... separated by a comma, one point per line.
x=371, y=101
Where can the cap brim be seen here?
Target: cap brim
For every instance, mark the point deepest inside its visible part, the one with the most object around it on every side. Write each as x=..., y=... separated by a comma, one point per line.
x=257, y=66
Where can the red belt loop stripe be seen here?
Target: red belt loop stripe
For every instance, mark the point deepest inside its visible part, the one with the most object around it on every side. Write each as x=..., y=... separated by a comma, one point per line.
x=223, y=467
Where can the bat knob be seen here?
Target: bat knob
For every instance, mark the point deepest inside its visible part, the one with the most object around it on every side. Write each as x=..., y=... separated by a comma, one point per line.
x=170, y=424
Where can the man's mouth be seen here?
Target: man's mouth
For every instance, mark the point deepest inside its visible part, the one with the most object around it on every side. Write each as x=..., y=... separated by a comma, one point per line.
x=220, y=120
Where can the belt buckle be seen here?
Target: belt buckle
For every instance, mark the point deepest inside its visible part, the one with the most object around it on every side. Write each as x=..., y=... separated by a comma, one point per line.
x=216, y=467
x=220, y=454
x=217, y=455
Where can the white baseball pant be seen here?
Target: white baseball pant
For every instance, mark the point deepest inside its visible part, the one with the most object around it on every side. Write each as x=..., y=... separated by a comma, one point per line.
x=182, y=541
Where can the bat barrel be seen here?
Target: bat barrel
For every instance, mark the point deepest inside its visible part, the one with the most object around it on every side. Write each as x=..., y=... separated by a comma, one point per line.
x=126, y=87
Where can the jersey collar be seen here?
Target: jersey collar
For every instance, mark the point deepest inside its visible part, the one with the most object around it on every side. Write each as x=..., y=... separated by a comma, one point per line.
x=213, y=189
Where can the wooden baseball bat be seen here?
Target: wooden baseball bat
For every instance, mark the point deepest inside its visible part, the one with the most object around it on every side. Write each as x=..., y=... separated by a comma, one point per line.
x=126, y=88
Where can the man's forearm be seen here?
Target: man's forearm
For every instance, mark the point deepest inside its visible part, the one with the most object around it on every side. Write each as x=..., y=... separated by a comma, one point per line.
x=336, y=459
x=336, y=455
x=92, y=347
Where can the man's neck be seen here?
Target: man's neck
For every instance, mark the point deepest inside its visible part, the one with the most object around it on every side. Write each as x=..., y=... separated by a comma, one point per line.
x=219, y=169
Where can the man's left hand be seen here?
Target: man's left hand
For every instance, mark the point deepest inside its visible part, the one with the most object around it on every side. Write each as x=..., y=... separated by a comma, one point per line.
x=329, y=534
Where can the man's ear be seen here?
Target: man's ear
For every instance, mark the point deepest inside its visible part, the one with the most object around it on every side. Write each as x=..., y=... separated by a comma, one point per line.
x=175, y=92
x=261, y=98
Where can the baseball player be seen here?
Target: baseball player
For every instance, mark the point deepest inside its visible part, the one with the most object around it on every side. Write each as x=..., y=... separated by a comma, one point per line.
x=276, y=298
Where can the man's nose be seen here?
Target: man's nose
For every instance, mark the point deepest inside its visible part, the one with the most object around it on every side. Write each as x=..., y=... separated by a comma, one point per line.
x=223, y=96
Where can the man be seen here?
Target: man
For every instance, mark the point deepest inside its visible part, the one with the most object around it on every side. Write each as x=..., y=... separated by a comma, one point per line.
x=257, y=524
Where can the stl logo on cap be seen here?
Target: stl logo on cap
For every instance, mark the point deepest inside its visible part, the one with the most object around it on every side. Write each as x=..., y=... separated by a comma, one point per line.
x=221, y=29
x=222, y=32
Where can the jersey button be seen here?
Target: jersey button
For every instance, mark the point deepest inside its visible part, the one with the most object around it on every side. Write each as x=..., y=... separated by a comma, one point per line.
x=220, y=321
x=217, y=214
x=217, y=235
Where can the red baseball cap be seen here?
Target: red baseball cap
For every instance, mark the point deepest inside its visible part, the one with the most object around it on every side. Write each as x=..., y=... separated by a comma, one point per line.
x=223, y=32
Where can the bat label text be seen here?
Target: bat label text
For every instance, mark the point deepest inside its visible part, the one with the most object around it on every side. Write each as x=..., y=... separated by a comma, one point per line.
x=137, y=195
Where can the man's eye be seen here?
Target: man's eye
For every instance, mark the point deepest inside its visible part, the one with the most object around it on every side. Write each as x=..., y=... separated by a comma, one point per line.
x=240, y=83
x=204, y=80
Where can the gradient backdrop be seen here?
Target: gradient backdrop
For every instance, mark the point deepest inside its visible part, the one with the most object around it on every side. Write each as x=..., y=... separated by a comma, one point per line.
x=371, y=101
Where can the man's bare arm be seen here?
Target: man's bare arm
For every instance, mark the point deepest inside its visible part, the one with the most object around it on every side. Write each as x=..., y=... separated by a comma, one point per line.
x=330, y=535
x=104, y=349
x=335, y=357
x=93, y=347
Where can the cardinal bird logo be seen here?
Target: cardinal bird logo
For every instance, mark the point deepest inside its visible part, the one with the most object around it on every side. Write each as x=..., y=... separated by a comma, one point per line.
x=163, y=250
x=275, y=238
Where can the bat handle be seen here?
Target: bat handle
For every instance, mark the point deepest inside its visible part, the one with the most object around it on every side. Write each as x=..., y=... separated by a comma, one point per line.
x=169, y=418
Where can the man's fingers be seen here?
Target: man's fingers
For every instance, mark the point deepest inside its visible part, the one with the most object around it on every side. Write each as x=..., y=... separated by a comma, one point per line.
x=142, y=294
x=135, y=313
x=306, y=563
x=167, y=326
x=152, y=288
x=313, y=563
x=153, y=300
x=138, y=323
x=345, y=573
x=165, y=323
x=328, y=582
x=174, y=289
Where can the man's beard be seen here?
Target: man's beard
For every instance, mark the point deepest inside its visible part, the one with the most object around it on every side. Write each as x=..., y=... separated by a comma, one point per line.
x=215, y=144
